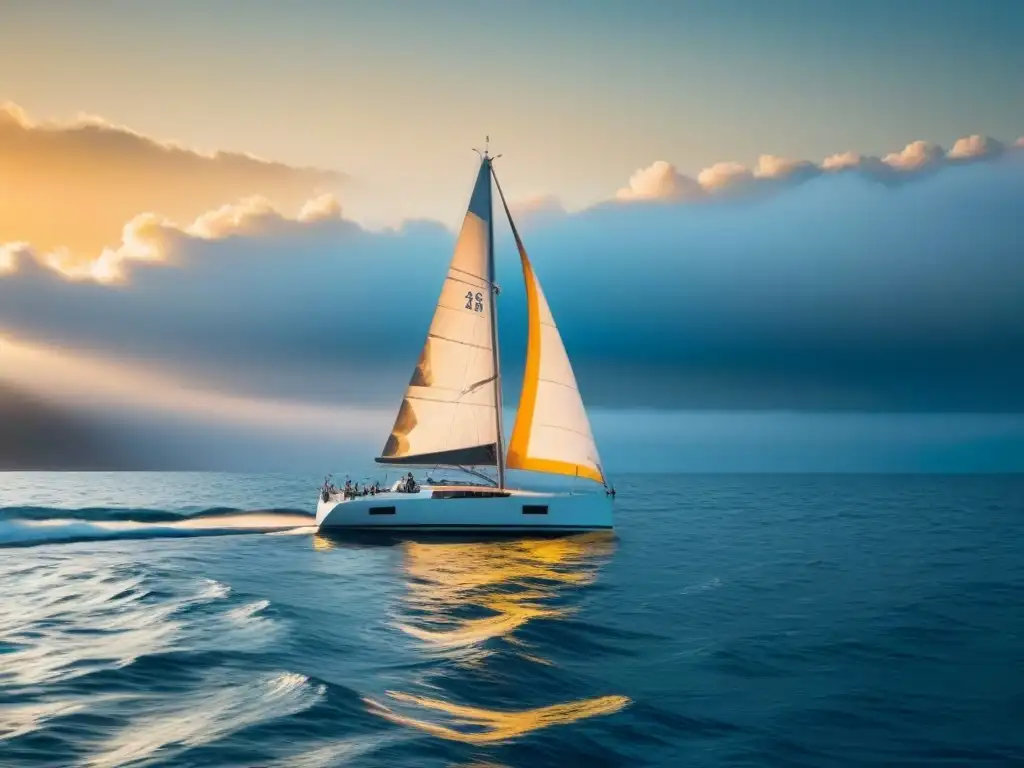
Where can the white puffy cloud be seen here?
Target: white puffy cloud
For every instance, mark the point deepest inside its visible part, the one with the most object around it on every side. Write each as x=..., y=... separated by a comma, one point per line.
x=322, y=208
x=147, y=236
x=660, y=181
x=9, y=255
x=970, y=147
x=774, y=167
x=916, y=155
x=724, y=175
x=231, y=218
x=841, y=160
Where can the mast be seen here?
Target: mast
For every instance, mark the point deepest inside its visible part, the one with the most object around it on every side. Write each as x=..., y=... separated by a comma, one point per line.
x=494, y=323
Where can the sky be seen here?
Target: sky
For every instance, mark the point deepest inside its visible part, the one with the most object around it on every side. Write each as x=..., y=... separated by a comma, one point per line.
x=775, y=236
x=576, y=94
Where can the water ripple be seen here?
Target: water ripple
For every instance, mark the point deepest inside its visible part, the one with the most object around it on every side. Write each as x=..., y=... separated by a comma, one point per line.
x=216, y=710
x=756, y=621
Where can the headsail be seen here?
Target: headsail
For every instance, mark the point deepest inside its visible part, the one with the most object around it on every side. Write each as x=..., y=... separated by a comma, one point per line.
x=552, y=432
x=449, y=412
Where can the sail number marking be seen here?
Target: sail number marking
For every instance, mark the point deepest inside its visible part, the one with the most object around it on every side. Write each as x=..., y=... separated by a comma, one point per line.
x=474, y=301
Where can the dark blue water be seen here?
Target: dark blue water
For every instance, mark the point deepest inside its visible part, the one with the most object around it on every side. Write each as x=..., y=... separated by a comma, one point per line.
x=731, y=620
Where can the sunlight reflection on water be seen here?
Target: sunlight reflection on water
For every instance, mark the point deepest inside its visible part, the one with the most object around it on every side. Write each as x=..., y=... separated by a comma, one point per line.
x=463, y=597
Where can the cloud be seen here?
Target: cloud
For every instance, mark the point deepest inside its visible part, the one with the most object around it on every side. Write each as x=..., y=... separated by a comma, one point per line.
x=127, y=416
x=834, y=293
x=725, y=175
x=255, y=329
x=663, y=181
x=845, y=160
x=975, y=146
x=9, y=254
x=537, y=206
x=916, y=155
x=660, y=181
x=323, y=208
x=128, y=419
x=150, y=237
x=73, y=185
x=39, y=434
x=773, y=167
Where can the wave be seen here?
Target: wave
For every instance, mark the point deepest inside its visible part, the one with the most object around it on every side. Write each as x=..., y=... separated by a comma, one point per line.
x=221, y=710
x=129, y=514
x=30, y=526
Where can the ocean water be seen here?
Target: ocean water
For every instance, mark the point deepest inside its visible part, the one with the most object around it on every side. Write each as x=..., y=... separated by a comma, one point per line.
x=199, y=620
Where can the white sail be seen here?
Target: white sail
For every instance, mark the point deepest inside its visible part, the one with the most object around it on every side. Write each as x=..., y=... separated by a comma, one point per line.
x=552, y=432
x=448, y=414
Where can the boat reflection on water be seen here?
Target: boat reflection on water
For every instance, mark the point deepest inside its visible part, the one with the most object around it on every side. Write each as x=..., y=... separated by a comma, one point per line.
x=486, y=726
x=465, y=602
x=463, y=594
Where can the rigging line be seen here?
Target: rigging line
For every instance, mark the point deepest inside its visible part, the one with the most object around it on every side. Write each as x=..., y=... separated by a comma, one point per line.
x=559, y=383
x=564, y=429
x=508, y=213
x=475, y=386
x=456, y=403
x=469, y=274
x=481, y=475
x=457, y=392
x=467, y=283
x=456, y=341
x=431, y=386
x=522, y=253
x=436, y=386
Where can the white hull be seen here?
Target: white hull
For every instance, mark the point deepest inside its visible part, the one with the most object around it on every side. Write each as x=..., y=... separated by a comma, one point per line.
x=520, y=511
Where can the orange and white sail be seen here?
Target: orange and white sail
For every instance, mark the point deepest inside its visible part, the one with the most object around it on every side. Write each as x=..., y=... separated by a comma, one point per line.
x=552, y=432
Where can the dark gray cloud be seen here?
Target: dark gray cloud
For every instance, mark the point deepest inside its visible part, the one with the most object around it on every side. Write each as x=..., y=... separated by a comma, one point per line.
x=52, y=433
x=837, y=292
x=37, y=434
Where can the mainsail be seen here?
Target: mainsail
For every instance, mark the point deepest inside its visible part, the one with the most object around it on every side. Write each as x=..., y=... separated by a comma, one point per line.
x=449, y=414
x=552, y=432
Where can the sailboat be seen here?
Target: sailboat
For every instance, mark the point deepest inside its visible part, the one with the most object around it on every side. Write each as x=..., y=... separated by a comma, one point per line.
x=451, y=414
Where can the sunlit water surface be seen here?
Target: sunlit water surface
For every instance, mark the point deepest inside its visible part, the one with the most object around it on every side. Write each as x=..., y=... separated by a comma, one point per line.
x=199, y=620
